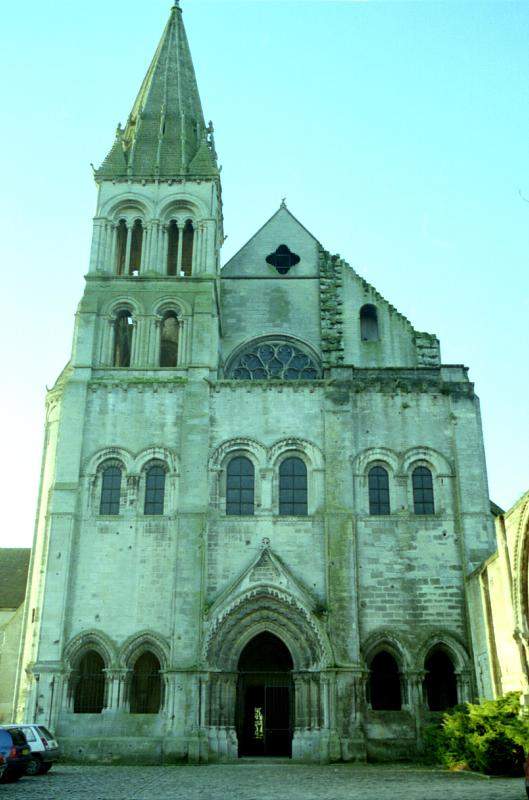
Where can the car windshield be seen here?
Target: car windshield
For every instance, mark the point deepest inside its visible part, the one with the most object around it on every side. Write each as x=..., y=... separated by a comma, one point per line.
x=17, y=736
x=45, y=732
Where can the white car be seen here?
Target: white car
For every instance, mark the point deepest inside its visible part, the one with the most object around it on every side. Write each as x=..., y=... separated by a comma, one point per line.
x=43, y=745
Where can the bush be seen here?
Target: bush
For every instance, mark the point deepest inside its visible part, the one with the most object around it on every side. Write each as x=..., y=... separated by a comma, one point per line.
x=490, y=737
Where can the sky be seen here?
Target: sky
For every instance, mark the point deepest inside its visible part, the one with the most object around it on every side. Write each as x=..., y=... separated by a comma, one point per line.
x=397, y=131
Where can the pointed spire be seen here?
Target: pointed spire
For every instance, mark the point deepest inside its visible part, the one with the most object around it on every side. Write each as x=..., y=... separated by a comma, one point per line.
x=165, y=136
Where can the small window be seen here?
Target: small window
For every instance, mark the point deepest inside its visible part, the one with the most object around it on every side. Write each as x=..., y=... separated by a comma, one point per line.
x=110, y=491
x=169, y=337
x=440, y=682
x=384, y=683
x=155, y=490
x=240, y=487
x=46, y=733
x=378, y=491
x=172, y=248
x=293, y=488
x=369, y=323
x=187, y=248
x=136, y=247
x=121, y=249
x=123, y=332
x=423, y=491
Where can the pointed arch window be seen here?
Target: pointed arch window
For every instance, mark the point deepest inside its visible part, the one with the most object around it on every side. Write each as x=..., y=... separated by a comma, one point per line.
x=121, y=246
x=293, y=500
x=384, y=683
x=136, y=247
x=188, y=241
x=146, y=685
x=110, y=491
x=155, y=490
x=169, y=340
x=240, y=487
x=89, y=693
x=173, y=235
x=123, y=333
x=369, y=323
x=423, y=499
x=440, y=682
x=378, y=491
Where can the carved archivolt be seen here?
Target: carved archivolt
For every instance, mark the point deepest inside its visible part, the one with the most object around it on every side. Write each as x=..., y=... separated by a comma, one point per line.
x=450, y=644
x=266, y=608
x=90, y=640
x=143, y=642
x=387, y=641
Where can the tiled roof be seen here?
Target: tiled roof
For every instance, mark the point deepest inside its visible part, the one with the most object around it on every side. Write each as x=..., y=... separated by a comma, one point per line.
x=165, y=136
x=14, y=565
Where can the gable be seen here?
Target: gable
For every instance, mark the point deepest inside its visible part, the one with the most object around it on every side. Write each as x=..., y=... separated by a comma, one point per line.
x=281, y=229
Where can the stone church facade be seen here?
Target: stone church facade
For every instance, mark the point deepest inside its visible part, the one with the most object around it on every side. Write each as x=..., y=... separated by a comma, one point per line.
x=261, y=489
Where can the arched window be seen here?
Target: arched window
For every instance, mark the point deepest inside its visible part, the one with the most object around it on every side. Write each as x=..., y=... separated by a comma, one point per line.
x=293, y=488
x=172, y=248
x=136, y=247
x=369, y=323
x=440, y=682
x=121, y=246
x=240, y=487
x=422, y=491
x=384, y=683
x=89, y=694
x=169, y=337
x=146, y=685
x=273, y=359
x=187, y=248
x=155, y=490
x=378, y=491
x=110, y=491
x=123, y=332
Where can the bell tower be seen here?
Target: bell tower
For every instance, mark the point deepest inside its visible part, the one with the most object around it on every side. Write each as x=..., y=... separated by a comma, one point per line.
x=158, y=228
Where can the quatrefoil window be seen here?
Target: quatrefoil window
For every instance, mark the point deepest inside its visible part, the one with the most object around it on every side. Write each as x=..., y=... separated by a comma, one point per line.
x=283, y=259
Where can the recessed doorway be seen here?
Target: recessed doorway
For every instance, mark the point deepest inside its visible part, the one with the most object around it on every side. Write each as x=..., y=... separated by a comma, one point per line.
x=265, y=696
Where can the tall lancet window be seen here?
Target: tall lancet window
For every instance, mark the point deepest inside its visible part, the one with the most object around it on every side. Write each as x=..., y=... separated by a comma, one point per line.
x=172, y=248
x=123, y=331
x=187, y=248
x=169, y=337
x=121, y=248
x=136, y=247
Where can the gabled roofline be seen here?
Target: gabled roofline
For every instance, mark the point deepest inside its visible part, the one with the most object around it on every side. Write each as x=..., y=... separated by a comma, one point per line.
x=282, y=207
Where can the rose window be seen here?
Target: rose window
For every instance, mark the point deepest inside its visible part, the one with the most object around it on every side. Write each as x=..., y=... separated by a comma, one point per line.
x=280, y=360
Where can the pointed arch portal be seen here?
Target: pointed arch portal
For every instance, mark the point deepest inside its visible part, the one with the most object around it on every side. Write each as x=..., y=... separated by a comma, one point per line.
x=265, y=698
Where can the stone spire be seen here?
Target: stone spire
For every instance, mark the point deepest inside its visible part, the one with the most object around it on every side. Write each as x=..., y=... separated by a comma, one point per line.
x=165, y=136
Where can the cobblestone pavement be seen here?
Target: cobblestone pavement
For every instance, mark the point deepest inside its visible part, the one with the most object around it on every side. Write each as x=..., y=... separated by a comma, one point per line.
x=268, y=781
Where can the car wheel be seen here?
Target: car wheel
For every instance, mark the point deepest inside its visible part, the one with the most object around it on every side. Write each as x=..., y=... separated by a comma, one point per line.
x=11, y=776
x=34, y=766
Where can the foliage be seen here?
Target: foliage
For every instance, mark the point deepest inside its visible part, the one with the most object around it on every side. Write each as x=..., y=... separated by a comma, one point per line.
x=490, y=737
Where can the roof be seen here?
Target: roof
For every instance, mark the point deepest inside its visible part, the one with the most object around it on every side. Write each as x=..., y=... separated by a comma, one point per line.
x=14, y=565
x=495, y=509
x=165, y=136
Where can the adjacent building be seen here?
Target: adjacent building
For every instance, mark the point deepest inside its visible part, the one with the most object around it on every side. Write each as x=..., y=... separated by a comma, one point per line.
x=14, y=565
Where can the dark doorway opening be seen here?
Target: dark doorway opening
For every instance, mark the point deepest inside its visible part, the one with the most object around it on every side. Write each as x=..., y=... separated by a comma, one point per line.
x=440, y=681
x=265, y=697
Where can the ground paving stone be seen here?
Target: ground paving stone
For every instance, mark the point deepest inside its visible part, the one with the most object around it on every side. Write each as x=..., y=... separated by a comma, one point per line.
x=268, y=781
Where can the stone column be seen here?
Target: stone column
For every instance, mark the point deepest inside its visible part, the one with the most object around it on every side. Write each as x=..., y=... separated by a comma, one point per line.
x=116, y=695
x=135, y=356
x=180, y=249
x=464, y=686
x=415, y=700
x=126, y=268
x=113, y=246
